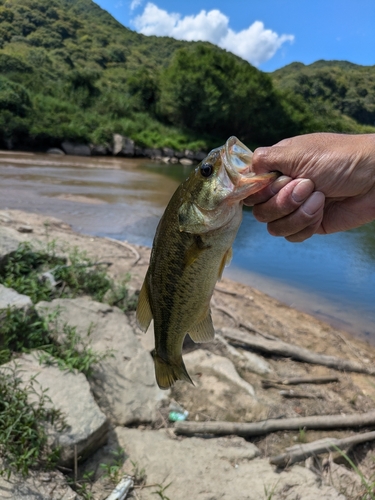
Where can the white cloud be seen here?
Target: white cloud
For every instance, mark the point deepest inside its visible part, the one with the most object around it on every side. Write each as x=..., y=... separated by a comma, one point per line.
x=134, y=4
x=254, y=44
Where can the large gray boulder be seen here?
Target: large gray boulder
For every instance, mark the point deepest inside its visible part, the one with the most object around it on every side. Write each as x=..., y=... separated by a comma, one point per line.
x=9, y=241
x=86, y=426
x=71, y=148
x=37, y=486
x=11, y=298
x=206, y=469
x=124, y=383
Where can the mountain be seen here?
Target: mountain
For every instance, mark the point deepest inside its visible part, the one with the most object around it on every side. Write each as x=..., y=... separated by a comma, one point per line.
x=69, y=70
x=344, y=86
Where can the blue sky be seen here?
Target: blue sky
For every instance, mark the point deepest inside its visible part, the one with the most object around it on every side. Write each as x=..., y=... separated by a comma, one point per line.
x=267, y=33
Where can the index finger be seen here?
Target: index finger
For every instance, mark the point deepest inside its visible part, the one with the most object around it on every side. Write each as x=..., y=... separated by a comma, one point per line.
x=266, y=193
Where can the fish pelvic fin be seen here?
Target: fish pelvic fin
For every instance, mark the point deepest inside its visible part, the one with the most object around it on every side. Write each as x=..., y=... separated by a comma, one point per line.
x=167, y=372
x=144, y=313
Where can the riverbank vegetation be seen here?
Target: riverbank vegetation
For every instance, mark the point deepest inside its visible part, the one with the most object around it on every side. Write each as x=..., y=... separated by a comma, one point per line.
x=69, y=71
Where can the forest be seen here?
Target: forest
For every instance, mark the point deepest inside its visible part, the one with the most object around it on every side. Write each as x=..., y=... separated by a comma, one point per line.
x=70, y=71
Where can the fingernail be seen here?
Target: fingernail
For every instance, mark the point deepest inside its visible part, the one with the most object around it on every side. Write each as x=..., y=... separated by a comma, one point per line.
x=303, y=189
x=279, y=183
x=313, y=203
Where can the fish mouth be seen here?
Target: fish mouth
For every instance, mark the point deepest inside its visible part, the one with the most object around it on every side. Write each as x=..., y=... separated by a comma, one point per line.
x=237, y=159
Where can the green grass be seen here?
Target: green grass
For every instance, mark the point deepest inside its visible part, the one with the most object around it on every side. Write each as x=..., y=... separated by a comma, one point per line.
x=23, y=440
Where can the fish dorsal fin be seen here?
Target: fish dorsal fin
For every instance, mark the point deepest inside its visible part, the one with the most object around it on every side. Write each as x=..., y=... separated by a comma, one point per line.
x=144, y=313
x=203, y=331
x=227, y=257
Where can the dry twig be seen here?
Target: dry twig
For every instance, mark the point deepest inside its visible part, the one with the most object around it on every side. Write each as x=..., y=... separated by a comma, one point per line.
x=280, y=348
x=274, y=425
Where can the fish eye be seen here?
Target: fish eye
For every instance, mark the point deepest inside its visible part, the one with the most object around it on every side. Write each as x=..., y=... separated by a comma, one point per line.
x=206, y=169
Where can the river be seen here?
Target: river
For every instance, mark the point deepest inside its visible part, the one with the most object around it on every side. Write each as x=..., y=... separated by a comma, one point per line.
x=331, y=277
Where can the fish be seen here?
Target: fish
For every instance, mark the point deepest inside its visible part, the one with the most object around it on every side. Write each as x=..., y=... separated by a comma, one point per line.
x=192, y=245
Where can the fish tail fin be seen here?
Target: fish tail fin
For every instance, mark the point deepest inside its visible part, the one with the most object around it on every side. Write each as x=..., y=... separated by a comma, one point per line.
x=167, y=373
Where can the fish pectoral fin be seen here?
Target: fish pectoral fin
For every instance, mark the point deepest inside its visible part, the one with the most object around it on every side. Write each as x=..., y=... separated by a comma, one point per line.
x=144, y=314
x=227, y=257
x=168, y=372
x=194, y=251
x=203, y=331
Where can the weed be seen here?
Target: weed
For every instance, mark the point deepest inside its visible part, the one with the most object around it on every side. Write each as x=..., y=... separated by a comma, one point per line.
x=139, y=475
x=268, y=495
x=369, y=487
x=112, y=470
x=161, y=490
x=23, y=411
x=83, y=487
x=42, y=275
x=302, y=437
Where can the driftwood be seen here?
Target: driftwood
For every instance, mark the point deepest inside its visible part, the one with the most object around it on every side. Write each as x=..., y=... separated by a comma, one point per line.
x=300, y=452
x=266, y=383
x=299, y=395
x=274, y=425
x=239, y=323
x=280, y=348
x=129, y=247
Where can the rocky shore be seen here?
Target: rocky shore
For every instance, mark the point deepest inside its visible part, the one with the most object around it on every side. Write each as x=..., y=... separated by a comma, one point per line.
x=118, y=422
x=126, y=147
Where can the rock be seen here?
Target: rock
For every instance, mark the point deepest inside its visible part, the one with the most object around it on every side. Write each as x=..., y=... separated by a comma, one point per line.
x=340, y=477
x=173, y=160
x=152, y=153
x=179, y=154
x=117, y=144
x=98, y=150
x=87, y=427
x=71, y=148
x=55, y=151
x=123, y=146
x=9, y=241
x=199, y=155
x=11, y=298
x=37, y=486
x=124, y=383
x=24, y=229
x=203, y=361
x=255, y=364
x=168, y=152
x=138, y=151
x=225, y=468
x=186, y=161
x=189, y=154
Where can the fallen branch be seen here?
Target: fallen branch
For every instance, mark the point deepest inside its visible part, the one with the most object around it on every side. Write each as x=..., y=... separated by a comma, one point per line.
x=129, y=247
x=299, y=395
x=300, y=452
x=295, y=381
x=274, y=425
x=239, y=323
x=280, y=348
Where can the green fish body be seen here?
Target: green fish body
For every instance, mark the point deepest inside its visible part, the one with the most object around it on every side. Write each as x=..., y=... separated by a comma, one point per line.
x=192, y=245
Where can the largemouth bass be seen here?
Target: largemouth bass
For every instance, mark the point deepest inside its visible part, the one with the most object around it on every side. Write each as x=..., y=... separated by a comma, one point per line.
x=192, y=245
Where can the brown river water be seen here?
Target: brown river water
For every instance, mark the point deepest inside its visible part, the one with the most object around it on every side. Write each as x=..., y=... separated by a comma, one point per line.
x=331, y=277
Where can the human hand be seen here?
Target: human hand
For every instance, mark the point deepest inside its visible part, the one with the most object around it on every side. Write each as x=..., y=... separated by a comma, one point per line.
x=328, y=184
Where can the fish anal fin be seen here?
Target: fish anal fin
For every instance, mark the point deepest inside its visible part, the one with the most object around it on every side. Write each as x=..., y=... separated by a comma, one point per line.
x=168, y=372
x=144, y=313
x=227, y=257
x=203, y=331
x=194, y=251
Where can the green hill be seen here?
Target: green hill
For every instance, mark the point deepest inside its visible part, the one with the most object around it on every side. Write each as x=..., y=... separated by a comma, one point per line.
x=69, y=70
x=337, y=85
